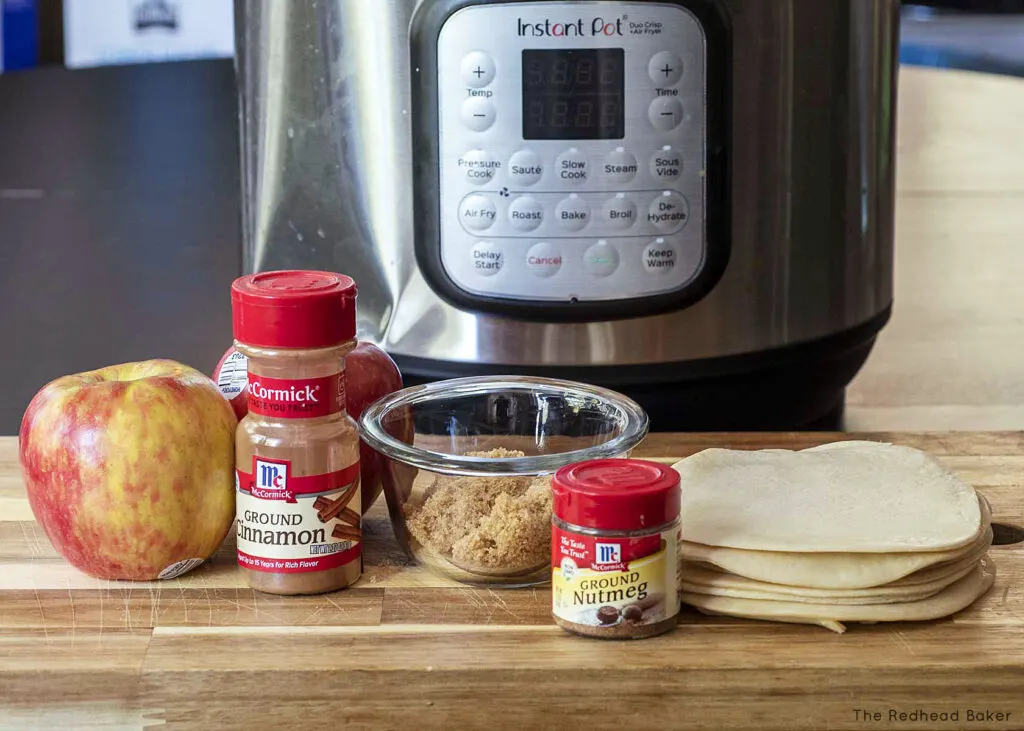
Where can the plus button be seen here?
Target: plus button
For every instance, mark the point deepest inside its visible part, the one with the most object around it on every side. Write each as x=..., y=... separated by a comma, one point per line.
x=667, y=70
x=479, y=72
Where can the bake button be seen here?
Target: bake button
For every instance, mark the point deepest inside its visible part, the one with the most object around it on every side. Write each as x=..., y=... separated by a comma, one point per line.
x=618, y=212
x=478, y=167
x=572, y=213
x=543, y=260
x=660, y=257
x=525, y=214
x=666, y=164
x=487, y=257
x=477, y=70
x=572, y=166
x=478, y=113
x=619, y=166
x=477, y=212
x=665, y=68
x=601, y=259
x=525, y=167
x=665, y=112
x=669, y=212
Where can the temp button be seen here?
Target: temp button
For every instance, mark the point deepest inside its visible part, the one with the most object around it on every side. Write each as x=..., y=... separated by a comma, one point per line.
x=487, y=258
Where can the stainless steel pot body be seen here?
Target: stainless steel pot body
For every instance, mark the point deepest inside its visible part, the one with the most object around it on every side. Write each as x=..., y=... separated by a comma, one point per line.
x=328, y=153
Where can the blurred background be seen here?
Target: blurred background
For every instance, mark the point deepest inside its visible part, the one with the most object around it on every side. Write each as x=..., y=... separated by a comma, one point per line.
x=119, y=203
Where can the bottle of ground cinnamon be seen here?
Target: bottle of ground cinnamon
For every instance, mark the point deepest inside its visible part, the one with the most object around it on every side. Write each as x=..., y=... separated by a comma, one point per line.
x=297, y=450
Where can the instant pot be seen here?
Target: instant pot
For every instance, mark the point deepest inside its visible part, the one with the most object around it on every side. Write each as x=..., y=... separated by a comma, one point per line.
x=689, y=201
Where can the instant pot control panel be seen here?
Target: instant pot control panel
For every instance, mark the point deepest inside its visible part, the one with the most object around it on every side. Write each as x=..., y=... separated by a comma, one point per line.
x=570, y=156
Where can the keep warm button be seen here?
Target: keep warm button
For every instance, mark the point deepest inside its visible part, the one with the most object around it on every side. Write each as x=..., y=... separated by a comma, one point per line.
x=669, y=212
x=660, y=256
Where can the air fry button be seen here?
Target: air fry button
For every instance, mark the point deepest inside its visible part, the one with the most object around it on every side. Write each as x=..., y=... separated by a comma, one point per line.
x=543, y=260
x=660, y=257
x=668, y=212
x=477, y=213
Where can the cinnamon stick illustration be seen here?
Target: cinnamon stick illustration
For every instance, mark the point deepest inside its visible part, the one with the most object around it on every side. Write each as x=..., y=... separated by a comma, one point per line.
x=330, y=509
x=346, y=533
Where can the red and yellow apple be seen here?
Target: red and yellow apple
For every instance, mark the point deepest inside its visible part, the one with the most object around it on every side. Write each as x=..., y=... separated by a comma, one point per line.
x=130, y=469
x=369, y=374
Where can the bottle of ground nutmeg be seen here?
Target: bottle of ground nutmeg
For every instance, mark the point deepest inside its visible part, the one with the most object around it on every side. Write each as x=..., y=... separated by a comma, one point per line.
x=614, y=543
x=297, y=450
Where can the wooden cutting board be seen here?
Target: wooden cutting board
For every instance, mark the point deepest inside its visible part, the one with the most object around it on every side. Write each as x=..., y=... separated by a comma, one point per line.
x=406, y=650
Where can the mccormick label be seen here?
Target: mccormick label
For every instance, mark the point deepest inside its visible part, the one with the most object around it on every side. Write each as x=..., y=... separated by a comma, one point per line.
x=288, y=524
x=296, y=398
x=608, y=581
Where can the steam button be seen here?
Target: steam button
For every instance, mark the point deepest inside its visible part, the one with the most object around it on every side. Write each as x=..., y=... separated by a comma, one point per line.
x=477, y=70
x=619, y=166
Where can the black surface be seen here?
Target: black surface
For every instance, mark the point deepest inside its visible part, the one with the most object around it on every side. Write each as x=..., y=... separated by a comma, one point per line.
x=797, y=387
x=426, y=26
x=119, y=220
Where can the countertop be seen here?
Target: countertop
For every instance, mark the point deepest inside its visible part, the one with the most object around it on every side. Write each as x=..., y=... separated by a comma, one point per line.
x=404, y=650
x=99, y=207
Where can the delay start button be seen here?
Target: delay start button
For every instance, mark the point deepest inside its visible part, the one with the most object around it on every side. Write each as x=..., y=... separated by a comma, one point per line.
x=572, y=167
x=478, y=167
x=487, y=258
x=660, y=257
x=543, y=260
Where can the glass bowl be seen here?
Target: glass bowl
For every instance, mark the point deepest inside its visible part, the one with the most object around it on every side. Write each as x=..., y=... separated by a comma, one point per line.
x=468, y=465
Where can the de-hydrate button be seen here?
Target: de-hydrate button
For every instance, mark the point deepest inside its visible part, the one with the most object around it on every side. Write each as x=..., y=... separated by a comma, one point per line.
x=669, y=212
x=488, y=258
x=543, y=260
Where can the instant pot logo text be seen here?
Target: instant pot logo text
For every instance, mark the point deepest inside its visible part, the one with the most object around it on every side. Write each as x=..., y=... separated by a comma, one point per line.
x=572, y=29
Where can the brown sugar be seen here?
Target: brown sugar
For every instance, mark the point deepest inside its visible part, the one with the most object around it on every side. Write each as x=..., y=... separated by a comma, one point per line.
x=499, y=522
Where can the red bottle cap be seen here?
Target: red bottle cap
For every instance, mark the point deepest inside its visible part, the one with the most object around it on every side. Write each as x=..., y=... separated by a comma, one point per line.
x=616, y=494
x=294, y=309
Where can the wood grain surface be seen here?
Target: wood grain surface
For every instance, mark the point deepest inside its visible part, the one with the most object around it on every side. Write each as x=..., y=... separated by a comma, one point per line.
x=406, y=650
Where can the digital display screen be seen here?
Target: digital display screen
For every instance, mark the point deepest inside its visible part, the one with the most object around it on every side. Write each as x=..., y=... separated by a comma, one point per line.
x=574, y=94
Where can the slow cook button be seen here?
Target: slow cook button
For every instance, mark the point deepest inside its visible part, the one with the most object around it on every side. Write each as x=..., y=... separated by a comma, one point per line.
x=477, y=213
x=572, y=213
x=525, y=214
x=618, y=212
x=601, y=259
x=525, y=167
x=668, y=212
x=619, y=166
x=479, y=167
x=487, y=257
x=660, y=257
x=572, y=167
x=543, y=260
x=666, y=165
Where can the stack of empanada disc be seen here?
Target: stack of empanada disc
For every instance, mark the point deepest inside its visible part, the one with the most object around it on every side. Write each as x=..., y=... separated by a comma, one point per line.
x=845, y=532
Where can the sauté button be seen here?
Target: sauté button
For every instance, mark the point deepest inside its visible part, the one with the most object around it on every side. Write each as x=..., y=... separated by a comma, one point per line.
x=478, y=113
x=487, y=257
x=666, y=164
x=478, y=167
x=543, y=260
x=525, y=167
x=477, y=213
x=665, y=68
x=666, y=113
x=619, y=166
x=669, y=212
x=477, y=70
x=572, y=213
x=525, y=214
x=660, y=257
x=572, y=167
x=618, y=212
x=601, y=259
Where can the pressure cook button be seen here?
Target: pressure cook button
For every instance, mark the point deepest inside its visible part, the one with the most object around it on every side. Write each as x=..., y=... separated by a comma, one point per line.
x=619, y=166
x=487, y=257
x=478, y=167
x=525, y=167
x=543, y=260
x=669, y=212
x=666, y=165
x=572, y=213
x=572, y=166
x=660, y=257
x=477, y=213
x=665, y=68
x=618, y=212
x=601, y=259
x=477, y=113
x=477, y=70
x=665, y=113
x=525, y=214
